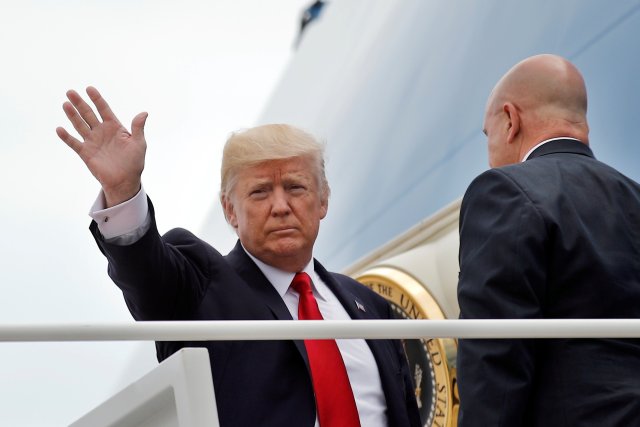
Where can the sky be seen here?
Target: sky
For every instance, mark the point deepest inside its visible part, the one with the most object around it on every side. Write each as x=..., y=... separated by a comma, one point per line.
x=201, y=69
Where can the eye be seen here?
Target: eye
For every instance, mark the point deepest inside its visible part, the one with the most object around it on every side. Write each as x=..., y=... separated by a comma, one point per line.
x=296, y=188
x=258, y=193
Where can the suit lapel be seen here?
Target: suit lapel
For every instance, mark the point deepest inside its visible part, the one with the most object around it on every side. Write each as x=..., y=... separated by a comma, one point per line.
x=354, y=305
x=382, y=350
x=264, y=290
x=257, y=282
x=266, y=293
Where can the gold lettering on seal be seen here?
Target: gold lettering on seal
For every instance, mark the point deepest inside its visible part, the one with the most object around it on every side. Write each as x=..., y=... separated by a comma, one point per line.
x=385, y=291
x=434, y=351
x=411, y=300
x=409, y=307
x=441, y=405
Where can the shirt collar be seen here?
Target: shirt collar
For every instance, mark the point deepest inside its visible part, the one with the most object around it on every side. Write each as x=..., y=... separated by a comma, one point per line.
x=280, y=279
x=526, y=156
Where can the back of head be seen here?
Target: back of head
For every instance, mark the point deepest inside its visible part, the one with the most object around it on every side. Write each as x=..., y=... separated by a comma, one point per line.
x=550, y=94
x=264, y=143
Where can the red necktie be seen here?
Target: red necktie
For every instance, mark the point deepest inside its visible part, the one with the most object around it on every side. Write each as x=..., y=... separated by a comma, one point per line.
x=334, y=397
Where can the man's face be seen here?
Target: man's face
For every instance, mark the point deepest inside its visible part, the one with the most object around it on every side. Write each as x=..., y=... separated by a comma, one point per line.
x=276, y=207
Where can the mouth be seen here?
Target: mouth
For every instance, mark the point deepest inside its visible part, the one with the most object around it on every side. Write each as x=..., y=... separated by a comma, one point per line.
x=283, y=230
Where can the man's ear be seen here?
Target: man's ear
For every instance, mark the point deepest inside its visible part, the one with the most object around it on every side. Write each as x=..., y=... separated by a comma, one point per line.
x=324, y=202
x=229, y=211
x=324, y=206
x=513, y=121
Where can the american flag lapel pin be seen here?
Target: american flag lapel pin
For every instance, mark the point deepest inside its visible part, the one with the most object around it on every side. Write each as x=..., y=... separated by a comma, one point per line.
x=360, y=306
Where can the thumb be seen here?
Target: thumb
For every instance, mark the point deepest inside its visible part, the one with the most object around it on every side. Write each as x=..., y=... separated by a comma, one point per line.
x=137, y=125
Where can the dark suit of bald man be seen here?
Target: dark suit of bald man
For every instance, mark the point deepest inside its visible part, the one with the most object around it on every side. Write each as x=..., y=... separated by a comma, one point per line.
x=556, y=236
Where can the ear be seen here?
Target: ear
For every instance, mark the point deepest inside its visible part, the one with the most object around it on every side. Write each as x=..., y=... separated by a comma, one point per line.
x=229, y=211
x=513, y=122
x=324, y=203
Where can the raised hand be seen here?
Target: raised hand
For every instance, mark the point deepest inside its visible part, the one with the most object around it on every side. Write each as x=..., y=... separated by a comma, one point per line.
x=112, y=154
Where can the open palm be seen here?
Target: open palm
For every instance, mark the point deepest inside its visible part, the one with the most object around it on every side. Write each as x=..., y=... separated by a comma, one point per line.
x=112, y=154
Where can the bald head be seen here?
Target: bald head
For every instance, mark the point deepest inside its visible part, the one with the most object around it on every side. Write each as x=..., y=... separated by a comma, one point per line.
x=541, y=97
x=547, y=83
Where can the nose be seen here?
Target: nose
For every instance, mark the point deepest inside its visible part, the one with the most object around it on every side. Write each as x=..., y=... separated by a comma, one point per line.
x=280, y=205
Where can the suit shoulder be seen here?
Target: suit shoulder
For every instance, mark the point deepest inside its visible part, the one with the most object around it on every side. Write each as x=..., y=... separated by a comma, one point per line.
x=349, y=281
x=190, y=245
x=505, y=174
x=179, y=234
x=494, y=181
x=361, y=290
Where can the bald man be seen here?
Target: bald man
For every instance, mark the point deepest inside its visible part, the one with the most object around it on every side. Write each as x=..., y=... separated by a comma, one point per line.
x=548, y=232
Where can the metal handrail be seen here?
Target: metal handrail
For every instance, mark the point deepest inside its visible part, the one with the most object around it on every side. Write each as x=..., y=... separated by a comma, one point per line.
x=321, y=329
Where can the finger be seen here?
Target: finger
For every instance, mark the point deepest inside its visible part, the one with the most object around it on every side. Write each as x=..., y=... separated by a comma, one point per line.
x=86, y=112
x=103, y=108
x=78, y=122
x=137, y=125
x=69, y=140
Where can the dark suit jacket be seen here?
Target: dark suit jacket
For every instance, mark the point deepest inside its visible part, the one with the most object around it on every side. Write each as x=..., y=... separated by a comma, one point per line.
x=257, y=383
x=557, y=236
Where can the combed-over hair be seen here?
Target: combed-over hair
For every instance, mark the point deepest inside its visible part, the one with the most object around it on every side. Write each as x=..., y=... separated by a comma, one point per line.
x=268, y=142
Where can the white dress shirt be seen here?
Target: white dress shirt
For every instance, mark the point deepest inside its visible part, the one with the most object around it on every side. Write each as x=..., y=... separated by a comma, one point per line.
x=127, y=222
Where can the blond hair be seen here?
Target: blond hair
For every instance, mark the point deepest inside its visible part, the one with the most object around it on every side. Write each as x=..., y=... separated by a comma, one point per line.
x=268, y=142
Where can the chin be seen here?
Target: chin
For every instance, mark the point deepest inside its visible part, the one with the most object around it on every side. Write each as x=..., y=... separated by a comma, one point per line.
x=289, y=247
x=288, y=250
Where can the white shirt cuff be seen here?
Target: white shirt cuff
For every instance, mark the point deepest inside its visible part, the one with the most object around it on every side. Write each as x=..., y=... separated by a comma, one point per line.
x=122, y=219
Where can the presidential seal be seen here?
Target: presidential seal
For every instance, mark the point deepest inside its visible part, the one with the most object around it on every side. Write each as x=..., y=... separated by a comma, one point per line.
x=431, y=361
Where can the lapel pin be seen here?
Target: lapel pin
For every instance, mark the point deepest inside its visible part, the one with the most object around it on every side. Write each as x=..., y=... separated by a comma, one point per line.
x=360, y=307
